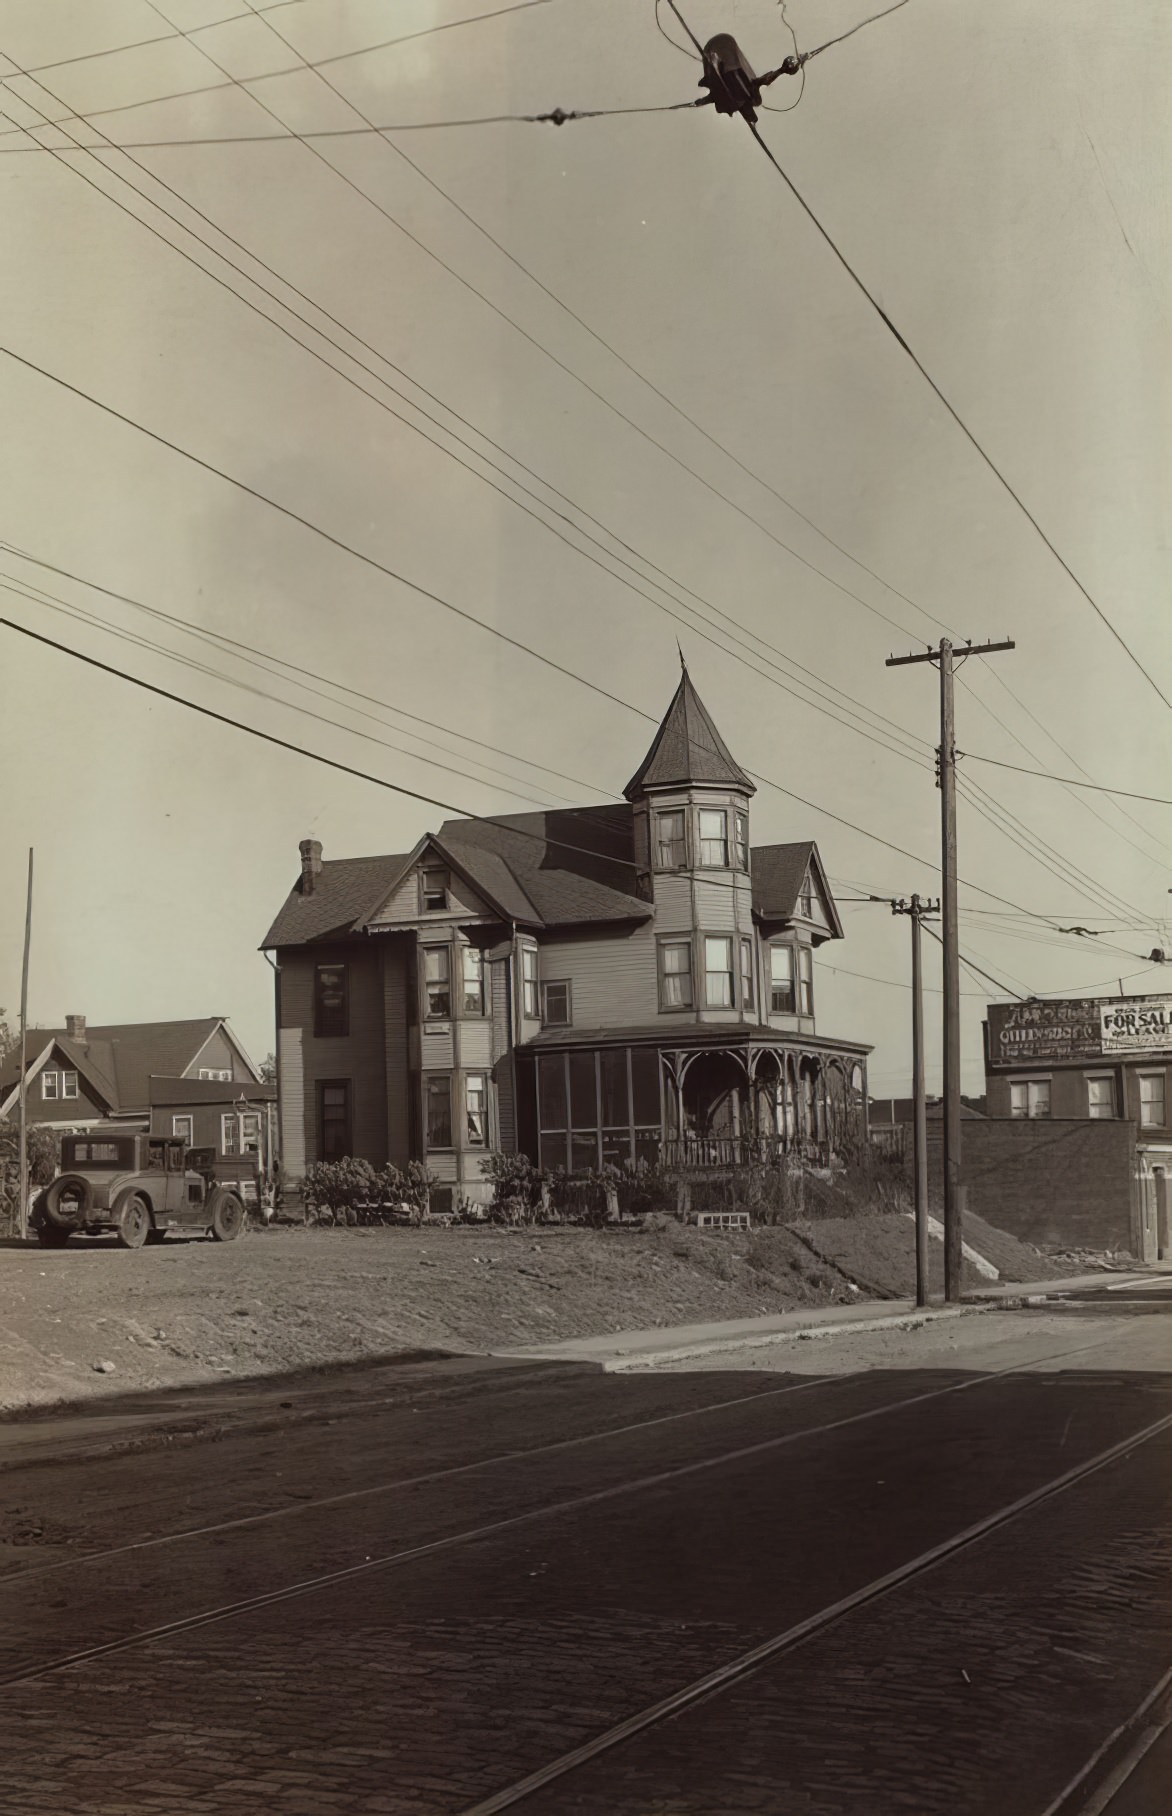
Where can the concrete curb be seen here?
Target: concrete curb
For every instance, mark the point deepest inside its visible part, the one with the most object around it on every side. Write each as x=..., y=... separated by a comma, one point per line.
x=613, y=1365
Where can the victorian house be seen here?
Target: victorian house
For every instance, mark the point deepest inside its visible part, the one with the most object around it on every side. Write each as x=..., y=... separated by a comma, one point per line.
x=591, y=985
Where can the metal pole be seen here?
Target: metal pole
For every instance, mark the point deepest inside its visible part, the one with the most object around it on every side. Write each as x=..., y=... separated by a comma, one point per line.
x=953, y=1209
x=22, y=1169
x=920, y=1112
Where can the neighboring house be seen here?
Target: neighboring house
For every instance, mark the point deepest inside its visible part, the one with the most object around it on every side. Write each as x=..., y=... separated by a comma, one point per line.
x=891, y=1119
x=235, y=1117
x=587, y=986
x=1092, y=1060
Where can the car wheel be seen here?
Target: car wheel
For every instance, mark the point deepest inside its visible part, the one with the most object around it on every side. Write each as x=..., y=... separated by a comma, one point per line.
x=132, y=1220
x=227, y=1217
x=50, y=1236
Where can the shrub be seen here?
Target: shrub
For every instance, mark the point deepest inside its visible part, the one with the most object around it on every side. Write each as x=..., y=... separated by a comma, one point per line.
x=519, y=1188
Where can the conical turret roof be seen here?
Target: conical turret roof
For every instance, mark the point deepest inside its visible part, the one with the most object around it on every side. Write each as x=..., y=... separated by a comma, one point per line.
x=687, y=748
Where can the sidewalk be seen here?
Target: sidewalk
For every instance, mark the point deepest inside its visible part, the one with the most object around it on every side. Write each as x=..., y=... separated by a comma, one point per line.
x=616, y=1351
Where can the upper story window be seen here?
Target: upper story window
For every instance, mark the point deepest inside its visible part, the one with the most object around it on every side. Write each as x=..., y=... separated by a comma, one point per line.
x=1101, y=1098
x=437, y=980
x=555, y=1002
x=331, y=1001
x=671, y=840
x=714, y=838
x=718, y=971
x=805, y=980
x=747, y=992
x=1029, y=1097
x=435, y=885
x=742, y=825
x=675, y=974
x=473, y=981
x=55, y=1085
x=782, y=997
x=806, y=899
x=530, y=996
x=214, y=1072
x=1152, y=1113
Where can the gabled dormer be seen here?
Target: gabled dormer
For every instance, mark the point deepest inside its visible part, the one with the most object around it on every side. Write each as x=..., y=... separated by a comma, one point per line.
x=791, y=890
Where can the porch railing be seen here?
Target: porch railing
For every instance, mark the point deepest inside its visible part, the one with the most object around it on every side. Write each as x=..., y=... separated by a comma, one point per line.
x=704, y=1151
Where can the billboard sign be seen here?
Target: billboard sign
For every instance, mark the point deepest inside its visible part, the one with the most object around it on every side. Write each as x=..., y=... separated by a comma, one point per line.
x=1025, y=1034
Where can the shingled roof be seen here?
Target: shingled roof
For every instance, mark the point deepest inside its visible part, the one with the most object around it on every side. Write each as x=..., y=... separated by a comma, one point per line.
x=687, y=748
x=778, y=874
x=346, y=892
x=120, y=1058
x=572, y=865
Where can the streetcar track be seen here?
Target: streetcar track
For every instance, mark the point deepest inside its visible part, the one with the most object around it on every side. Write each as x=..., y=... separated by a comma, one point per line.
x=511, y=1522
x=1118, y=1778
x=726, y=1676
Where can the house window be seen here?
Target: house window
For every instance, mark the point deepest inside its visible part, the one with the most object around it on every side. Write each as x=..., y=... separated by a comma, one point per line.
x=439, y=1111
x=331, y=1012
x=805, y=981
x=555, y=999
x=334, y=1119
x=782, y=1000
x=249, y=1132
x=437, y=979
x=476, y=1104
x=69, y=1084
x=184, y=1126
x=210, y=1072
x=1101, y=1098
x=718, y=971
x=530, y=999
x=671, y=843
x=743, y=840
x=435, y=890
x=1151, y=1100
x=675, y=974
x=229, y=1135
x=714, y=838
x=746, y=974
x=1029, y=1097
x=50, y=1085
x=806, y=900
x=473, y=981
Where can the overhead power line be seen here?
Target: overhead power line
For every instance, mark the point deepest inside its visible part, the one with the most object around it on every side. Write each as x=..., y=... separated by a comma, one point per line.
x=1126, y=794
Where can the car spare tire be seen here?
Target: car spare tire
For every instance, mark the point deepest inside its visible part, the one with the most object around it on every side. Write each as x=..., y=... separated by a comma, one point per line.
x=67, y=1201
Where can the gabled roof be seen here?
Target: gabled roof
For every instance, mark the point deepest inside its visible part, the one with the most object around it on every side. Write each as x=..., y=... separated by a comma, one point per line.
x=687, y=748
x=573, y=864
x=119, y=1058
x=40, y=1046
x=347, y=892
x=489, y=877
x=778, y=874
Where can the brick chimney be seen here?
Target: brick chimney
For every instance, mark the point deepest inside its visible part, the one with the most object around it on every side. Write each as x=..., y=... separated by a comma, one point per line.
x=75, y=1027
x=310, y=864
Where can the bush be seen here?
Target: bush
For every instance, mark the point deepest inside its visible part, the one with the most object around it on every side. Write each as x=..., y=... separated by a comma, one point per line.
x=519, y=1188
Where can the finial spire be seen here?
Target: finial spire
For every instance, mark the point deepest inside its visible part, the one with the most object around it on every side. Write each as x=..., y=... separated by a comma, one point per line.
x=683, y=663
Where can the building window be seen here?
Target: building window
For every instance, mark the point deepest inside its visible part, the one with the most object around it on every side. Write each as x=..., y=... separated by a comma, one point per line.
x=210, y=1072
x=437, y=980
x=746, y=974
x=334, y=1119
x=1151, y=1100
x=806, y=900
x=671, y=840
x=249, y=1132
x=439, y=1111
x=782, y=1000
x=184, y=1126
x=1029, y=1097
x=718, y=971
x=229, y=1135
x=675, y=974
x=331, y=1011
x=476, y=1104
x=530, y=998
x=69, y=1084
x=743, y=841
x=555, y=1001
x=1101, y=1098
x=714, y=838
x=50, y=1085
x=473, y=981
x=435, y=890
x=805, y=981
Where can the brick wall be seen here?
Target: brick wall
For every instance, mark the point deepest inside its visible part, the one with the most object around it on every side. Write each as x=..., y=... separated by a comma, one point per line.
x=1056, y=1184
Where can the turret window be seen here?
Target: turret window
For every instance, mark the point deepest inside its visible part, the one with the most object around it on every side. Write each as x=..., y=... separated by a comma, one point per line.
x=743, y=840
x=671, y=843
x=718, y=971
x=675, y=974
x=714, y=838
x=781, y=980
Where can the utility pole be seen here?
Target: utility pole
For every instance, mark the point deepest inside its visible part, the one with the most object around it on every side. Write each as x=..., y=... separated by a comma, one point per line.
x=918, y=911
x=22, y=1168
x=946, y=657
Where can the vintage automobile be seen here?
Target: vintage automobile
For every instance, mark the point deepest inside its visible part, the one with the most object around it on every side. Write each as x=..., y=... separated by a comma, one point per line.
x=139, y=1187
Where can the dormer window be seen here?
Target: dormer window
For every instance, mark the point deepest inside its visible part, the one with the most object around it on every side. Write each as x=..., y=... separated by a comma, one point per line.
x=713, y=838
x=435, y=891
x=743, y=841
x=671, y=842
x=806, y=900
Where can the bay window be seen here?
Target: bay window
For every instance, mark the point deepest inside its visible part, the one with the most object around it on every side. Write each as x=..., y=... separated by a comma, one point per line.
x=437, y=983
x=714, y=838
x=530, y=998
x=742, y=820
x=805, y=980
x=438, y=1103
x=746, y=974
x=473, y=981
x=671, y=842
x=718, y=971
x=476, y=1109
x=675, y=974
x=782, y=1000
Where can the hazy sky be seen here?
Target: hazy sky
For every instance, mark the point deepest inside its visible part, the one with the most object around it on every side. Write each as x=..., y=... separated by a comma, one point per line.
x=998, y=172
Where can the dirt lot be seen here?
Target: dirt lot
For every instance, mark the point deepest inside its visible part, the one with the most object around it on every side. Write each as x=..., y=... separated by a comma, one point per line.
x=93, y=1319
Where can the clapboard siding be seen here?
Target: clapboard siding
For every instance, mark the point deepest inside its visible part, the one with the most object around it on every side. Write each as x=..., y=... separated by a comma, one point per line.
x=438, y=1049
x=613, y=981
x=673, y=902
x=406, y=904
x=476, y=1044
x=219, y=1055
x=358, y=1057
x=396, y=1053
x=291, y=1102
x=500, y=984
